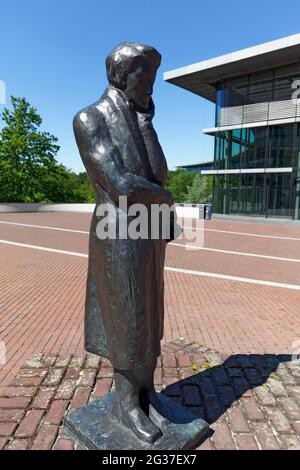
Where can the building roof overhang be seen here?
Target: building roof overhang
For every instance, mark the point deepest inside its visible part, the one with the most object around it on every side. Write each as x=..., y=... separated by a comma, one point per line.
x=201, y=78
x=190, y=165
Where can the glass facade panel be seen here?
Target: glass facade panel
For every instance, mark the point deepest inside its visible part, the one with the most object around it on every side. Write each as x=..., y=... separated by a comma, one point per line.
x=244, y=148
x=283, y=80
x=233, y=190
x=282, y=146
x=255, y=147
x=259, y=196
x=220, y=100
x=252, y=201
x=236, y=91
x=283, y=89
x=231, y=93
x=260, y=87
x=246, y=194
x=279, y=200
x=221, y=144
x=264, y=194
x=235, y=149
x=258, y=147
x=254, y=194
x=276, y=146
x=218, y=194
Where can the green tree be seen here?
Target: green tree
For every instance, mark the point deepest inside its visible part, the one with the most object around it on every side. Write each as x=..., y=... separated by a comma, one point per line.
x=178, y=183
x=201, y=190
x=29, y=171
x=86, y=191
x=27, y=155
x=69, y=187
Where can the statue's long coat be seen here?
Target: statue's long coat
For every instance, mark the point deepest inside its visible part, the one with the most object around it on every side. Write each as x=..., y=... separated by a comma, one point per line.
x=124, y=301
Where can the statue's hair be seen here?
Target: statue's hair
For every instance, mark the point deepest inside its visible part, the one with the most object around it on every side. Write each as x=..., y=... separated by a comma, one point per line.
x=123, y=58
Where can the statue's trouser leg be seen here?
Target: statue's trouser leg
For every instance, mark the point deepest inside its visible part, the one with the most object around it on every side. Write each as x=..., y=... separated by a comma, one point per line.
x=144, y=375
x=127, y=408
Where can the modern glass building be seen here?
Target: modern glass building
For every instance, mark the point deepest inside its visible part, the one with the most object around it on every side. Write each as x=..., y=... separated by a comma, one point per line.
x=257, y=126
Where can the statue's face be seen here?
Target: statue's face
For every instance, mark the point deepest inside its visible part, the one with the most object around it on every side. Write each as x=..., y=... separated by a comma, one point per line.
x=140, y=83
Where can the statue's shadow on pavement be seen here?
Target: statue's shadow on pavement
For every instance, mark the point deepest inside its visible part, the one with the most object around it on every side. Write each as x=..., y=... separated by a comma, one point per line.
x=209, y=393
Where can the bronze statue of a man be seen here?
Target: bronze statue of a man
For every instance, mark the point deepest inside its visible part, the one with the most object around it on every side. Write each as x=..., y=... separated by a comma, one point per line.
x=125, y=288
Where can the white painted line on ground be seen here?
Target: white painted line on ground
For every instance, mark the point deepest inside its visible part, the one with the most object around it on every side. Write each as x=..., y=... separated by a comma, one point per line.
x=239, y=253
x=234, y=278
x=168, y=268
x=244, y=233
x=43, y=248
x=44, y=226
x=194, y=228
x=190, y=247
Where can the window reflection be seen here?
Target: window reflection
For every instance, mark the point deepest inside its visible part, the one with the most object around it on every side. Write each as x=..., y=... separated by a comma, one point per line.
x=279, y=195
x=257, y=147
x=282, y=145
x=260, y=87
x=254, y=194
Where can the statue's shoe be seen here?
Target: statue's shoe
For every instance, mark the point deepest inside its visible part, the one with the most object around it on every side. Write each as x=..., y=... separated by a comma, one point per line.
x=139, y=424
x=160, y=411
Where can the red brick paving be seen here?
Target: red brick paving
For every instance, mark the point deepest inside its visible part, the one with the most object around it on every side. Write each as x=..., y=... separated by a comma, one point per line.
x=213, y=386
x=42, y=293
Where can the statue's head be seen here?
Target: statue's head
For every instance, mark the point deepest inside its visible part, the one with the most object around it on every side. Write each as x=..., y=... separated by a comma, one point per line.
x=132, y=67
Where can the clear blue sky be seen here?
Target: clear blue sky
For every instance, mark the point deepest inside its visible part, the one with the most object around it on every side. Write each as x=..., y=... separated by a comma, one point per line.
x=53, y=53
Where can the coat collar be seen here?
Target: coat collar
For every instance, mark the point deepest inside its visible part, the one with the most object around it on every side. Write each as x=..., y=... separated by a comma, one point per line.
x=124, y=128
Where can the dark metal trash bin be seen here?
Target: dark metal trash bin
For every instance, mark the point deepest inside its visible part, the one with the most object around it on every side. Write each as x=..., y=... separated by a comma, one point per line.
x=208, y=209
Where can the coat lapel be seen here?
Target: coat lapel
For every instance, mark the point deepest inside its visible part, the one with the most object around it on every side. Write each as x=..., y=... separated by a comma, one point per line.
x=125, y=133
